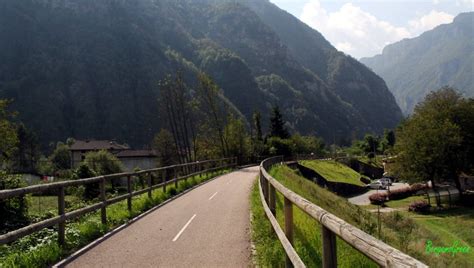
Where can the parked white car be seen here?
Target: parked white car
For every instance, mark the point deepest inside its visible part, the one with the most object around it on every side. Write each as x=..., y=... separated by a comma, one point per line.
x=386, y=181
x=377, y=185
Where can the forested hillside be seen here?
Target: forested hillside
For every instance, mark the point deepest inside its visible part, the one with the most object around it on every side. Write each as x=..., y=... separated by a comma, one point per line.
x=441, y=57
x=90, y=69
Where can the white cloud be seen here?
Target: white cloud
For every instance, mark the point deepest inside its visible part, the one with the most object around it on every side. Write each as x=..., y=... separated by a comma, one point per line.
x=359, y=33
x=467, y=3
x=429, y=21
x=344, y=46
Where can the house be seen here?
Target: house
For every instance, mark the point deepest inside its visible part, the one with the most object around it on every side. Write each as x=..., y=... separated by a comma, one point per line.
x=80, y=148
x=131, y=159
x=142, y=159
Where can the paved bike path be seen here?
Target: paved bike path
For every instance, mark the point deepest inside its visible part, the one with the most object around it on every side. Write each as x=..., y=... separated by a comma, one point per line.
x=207, y=227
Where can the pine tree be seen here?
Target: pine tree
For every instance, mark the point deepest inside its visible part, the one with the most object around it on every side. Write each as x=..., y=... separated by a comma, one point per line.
x=277, y=125
x=258, y=126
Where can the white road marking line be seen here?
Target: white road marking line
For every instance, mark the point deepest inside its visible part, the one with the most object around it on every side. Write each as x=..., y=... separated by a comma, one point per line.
x=212, y=196
x=184, y=228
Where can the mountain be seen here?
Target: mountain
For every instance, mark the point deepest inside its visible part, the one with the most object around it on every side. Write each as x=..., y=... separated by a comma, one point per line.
x=443, y=56
x=90, y=69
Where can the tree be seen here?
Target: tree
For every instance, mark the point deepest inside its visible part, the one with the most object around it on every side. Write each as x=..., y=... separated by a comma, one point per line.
x=237, y=139
x=61, y=157
x=371, y=143
x=387, y=142
x=307, y=145
x=257, y=118
x=27, y=153
x=436, y=142
x=165, y=148
x=258, y=146
x=8, y=135
x=14, y=210
x=279, y=146
x=389, y=136
x=91, y=190
x=103, y=163
x=178, y=115
x=213, y=110
x=277, y=125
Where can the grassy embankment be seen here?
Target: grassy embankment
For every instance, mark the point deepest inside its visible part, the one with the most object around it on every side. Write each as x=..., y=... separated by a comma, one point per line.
x=406, y=232
x=307, y=240
x=334, y=171
x=376, y=161
x=42, y=250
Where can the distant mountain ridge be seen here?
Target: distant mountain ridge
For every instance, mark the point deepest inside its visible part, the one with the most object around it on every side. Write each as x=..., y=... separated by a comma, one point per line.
x=89, y=69
x=439, y=57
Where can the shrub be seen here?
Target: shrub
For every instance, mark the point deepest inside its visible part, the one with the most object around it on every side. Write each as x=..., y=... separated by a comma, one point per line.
x=91, y=190
x=378, y=198
x=400, y=193
x=103, y=163
x=172, y=191
x=419, y=207
x=404, y=228
x=364, y=180
x=280, y=146
x=418, y=187
x=14, y=210
x=406, y=192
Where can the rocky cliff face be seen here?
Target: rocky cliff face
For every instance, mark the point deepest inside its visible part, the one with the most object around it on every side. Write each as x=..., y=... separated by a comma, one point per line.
x=441, y=57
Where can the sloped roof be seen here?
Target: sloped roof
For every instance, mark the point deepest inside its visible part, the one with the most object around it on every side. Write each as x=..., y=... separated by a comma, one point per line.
x=90, y=145
x=136, y=153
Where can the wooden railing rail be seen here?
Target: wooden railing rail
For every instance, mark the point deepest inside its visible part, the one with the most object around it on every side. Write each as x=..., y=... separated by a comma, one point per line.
x=176, y=172
x=376, y=250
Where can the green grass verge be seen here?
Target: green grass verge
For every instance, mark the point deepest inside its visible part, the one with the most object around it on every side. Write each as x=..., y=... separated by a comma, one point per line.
x=42, y=250
x=404, y=203
x=269, y=251
x=307, y=239
x=334, y=171
x=405, y=231
x=40, y=205
x=397, y=204
x=448, y=226
x=376, y=162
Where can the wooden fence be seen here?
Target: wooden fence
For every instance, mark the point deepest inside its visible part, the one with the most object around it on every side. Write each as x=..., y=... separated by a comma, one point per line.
x=381, y=253
x=176, y=172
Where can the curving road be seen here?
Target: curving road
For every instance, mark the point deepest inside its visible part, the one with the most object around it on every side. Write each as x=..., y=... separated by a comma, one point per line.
x=363, y=199
x=207, y=227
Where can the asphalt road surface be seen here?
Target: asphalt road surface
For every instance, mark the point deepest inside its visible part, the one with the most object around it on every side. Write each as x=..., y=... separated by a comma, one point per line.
x=363, y=199
x=207, y=227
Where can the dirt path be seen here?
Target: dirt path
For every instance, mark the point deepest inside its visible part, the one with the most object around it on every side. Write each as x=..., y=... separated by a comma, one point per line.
x=207, y=227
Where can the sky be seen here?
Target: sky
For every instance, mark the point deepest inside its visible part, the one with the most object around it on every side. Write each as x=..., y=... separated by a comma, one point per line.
x=363, y=28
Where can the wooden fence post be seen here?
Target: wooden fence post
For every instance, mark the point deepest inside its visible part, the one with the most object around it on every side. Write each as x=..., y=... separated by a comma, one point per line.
x=103, y=209
x=163, y=174
x=288, y=226
x=61, y=211
x=129, y=189
x=329, y=248
x=267, y=191
x=176, y=176
x=272, y=200
x=149, y=184
x=186, y=172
